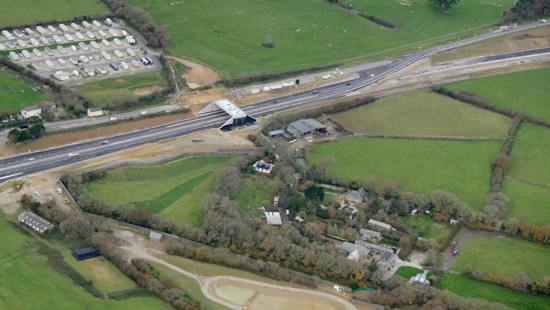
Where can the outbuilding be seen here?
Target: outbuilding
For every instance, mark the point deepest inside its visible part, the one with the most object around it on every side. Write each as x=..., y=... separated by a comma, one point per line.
x=273, y=218
x=95, y=112
x=31, y=111
x=306, y=126
x=35, y=222
x=155, y=236
x=85, y=253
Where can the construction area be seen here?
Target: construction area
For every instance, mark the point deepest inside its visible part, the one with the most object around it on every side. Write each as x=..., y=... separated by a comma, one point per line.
x=76, y=53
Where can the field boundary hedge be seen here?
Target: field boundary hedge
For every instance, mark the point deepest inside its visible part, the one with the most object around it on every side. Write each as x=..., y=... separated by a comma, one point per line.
x=349, y=6
x=129, y=293
x=484, y=104
x=265, y=77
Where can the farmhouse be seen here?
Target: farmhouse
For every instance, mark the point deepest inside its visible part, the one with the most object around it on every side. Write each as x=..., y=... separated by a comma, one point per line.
x=273, y=218
x=355, y=196
x=31, y=111
x=85, y=253
x=35, y=222
x=370, y=235
x=362, y=251
x=306, y=126
x=237, y=116
x=377, y=225
x=95, y=112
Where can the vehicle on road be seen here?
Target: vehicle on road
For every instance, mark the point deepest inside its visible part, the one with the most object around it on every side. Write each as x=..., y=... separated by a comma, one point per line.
x=59, y=190
x=73, y=155
x=105, y=142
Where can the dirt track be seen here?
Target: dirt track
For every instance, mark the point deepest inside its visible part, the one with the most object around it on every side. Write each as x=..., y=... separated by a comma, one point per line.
x=467, y=235
x=265, y=296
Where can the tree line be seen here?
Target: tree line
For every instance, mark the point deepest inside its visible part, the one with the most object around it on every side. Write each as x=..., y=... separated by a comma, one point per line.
x=524, y=10
x=155, y=35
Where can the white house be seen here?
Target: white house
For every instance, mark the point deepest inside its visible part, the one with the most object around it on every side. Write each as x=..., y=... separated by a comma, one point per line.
x=31, y=111
x=95, y=112
x=273, y=218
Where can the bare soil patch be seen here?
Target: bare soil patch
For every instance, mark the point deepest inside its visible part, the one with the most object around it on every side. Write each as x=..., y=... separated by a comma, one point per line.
x=146, y=90
x=198, y=74
x=256, y=295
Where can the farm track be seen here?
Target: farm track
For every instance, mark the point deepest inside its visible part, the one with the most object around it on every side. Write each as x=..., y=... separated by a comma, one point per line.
x=449, y=259
x=207, y=284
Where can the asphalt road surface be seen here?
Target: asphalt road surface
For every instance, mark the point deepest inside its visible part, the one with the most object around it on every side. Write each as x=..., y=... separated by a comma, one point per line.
x=29, y=163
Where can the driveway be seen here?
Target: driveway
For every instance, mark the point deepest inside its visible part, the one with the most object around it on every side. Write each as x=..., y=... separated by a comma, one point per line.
x=467, y=235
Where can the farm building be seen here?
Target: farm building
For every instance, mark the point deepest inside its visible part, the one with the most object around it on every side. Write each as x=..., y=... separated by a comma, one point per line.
x=362, y=251
x=35, y=222
x=370, y=235
x=279, y=133
x=95, y=112
x=237, y=116
x=273, y=218
x=155, y=236
x=306, y=126
x=85, y=253
x=355, y=196
x=377, y=225
x=31, y=111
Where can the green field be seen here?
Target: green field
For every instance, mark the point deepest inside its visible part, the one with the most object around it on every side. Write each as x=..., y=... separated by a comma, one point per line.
x=525, y=92
x=423, y=113
x=104, y=92
x=16, y=13
x=16, y=93
x=407, y=272
x=422, y=166
x=28, y=282
x=425, y=227
x=253, y=192
x=228, y=35
x=101, y=272
x=467, y=287
x=505, y=257
x=528, y=182
x=173, y=190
